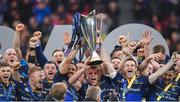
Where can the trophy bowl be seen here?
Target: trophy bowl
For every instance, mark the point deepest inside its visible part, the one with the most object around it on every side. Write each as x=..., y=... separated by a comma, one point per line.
x=89, y=33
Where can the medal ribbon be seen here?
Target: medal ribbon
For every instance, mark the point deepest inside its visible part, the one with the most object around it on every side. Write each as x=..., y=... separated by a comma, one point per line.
x=125, y=90
x=167, y=88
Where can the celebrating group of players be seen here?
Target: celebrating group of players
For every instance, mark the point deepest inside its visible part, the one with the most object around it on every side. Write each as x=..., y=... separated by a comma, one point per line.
x=131, y=73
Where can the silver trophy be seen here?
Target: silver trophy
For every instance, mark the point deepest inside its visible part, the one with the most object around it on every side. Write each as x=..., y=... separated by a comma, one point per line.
x=89, y=33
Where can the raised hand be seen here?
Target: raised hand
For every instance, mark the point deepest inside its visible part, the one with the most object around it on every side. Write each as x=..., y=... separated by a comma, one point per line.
x=16, y=66
x=126, y=51
x=155, y=65
x=87, y=60
x=147, y=37
x=175, y=57
x=67, y=38
x=37, y=34
x=132, y=46
x=33, y=41
x=20, y=27
x=122, y=40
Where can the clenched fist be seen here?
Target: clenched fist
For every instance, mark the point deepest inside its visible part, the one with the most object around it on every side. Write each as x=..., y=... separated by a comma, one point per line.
x=16, y=66
x=37, y=34
x=122, y=40
x=33, y=41
x=19, y=27
x=132, y=45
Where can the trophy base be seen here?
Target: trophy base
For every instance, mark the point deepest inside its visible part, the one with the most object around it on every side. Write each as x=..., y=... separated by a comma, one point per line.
x=95, y=59
x=97, y=62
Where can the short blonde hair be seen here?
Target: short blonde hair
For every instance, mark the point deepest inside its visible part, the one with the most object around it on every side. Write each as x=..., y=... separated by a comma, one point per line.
x=58, y=90
x=33, y=69
x=93, y=92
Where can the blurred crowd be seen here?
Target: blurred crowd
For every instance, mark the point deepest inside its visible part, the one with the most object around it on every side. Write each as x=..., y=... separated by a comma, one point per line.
x=42, y=15
x=163, y=15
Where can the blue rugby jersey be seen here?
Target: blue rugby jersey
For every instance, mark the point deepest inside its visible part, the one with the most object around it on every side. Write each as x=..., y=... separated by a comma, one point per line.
x=23, y=70
x=71, y=93
x=115, y=86
x=47, y=85
x=138, y=90
x=82, y=91
x=39, y=95
x=171, y=95
x=8, y=93
x=110, y=88
x=58, y=77
x=24, y=91
x=106, y=84
x=41, y=58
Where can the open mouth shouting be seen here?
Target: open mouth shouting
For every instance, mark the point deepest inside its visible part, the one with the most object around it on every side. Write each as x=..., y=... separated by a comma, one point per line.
x=130, y=72
x=116, y=67
x=11, y=61
x=5, y=78
x=50, y=75
x=93, y=81
x=39, y=84
x=40, y=81
x=59, y=62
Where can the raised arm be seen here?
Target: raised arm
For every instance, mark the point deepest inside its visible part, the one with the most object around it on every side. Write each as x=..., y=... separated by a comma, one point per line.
x=147, y=38
x=30, y=54
x=16, y=41
x=64, y=66
x=15, y=75
x=20, y=71
x=145, y=62
x=107, y=66
x=153, y=77
x=41, y=58
x=155, y=65
x=77, y=75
